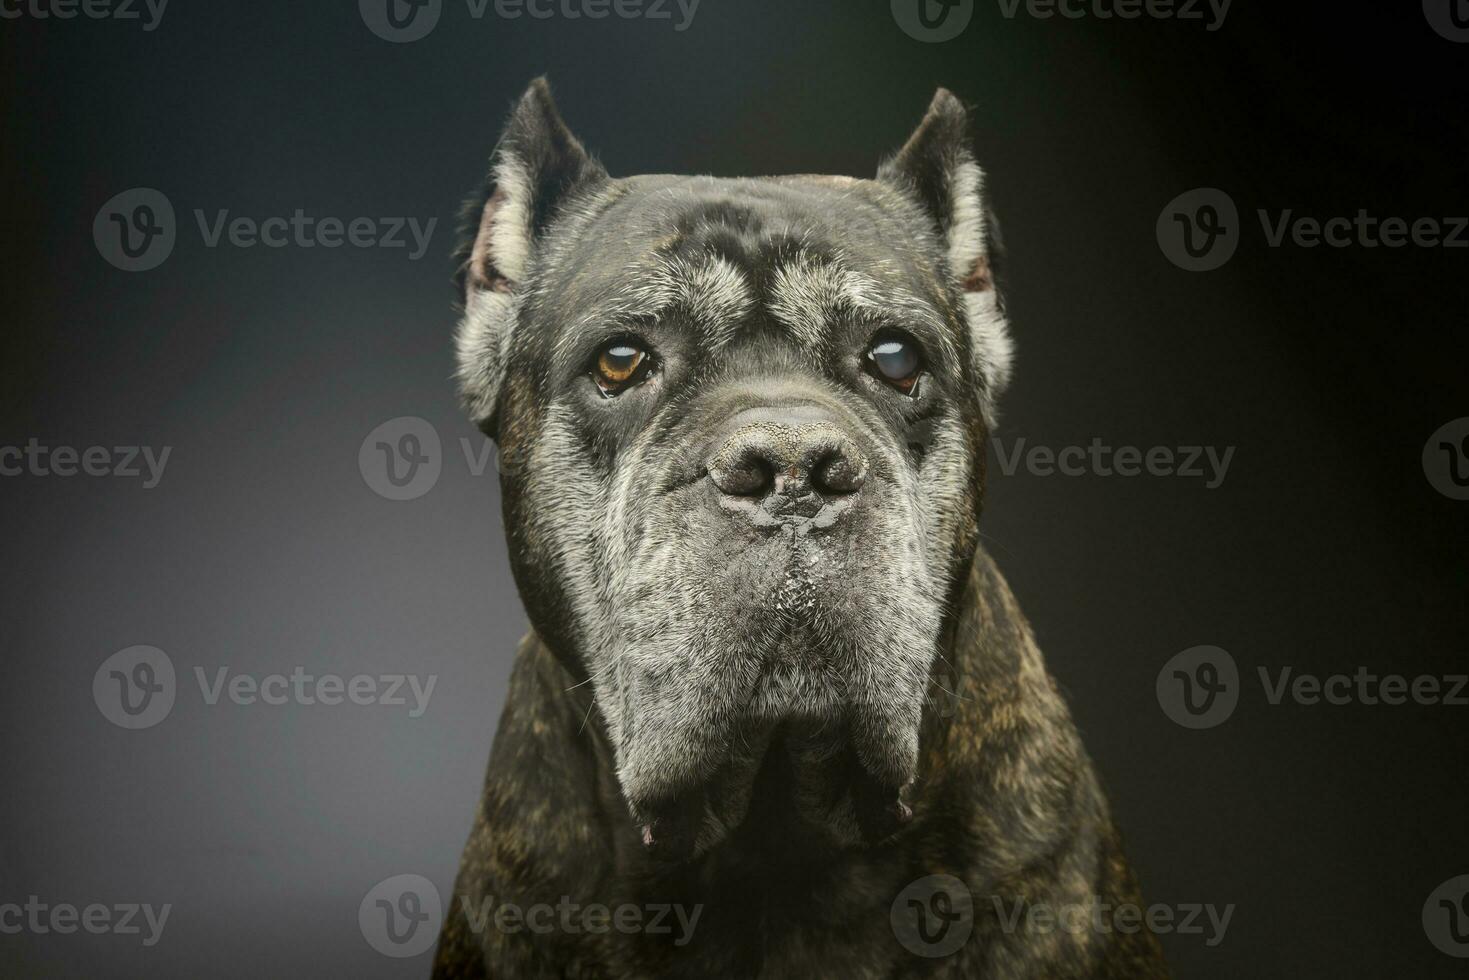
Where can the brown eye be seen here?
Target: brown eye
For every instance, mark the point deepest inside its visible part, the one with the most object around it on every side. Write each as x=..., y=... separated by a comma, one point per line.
x=621, y=365
x=895, y=359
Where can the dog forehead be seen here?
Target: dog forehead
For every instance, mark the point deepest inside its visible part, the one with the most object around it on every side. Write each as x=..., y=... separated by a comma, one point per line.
x=756, y=213
x=798, y=252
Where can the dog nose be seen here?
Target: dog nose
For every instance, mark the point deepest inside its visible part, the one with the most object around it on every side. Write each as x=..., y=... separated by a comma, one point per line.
x=790, y=454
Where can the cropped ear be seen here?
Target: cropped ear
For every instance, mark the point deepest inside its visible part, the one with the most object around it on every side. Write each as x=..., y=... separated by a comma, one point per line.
x=536, y=168
x=936, y=167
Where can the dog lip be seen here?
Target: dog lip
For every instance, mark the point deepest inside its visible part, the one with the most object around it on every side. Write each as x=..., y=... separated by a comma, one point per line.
x=669, y=832
x=881, y=810
x=781, y=514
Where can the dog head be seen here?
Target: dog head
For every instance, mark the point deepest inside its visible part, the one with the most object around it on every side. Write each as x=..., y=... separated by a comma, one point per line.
x=741, y=427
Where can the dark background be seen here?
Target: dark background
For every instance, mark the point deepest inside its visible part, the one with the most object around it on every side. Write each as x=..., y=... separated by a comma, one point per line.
x=1326, y=548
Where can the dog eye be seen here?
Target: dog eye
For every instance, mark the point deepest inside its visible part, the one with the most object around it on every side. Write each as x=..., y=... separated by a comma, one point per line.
x=621, y=365
x=895, y=359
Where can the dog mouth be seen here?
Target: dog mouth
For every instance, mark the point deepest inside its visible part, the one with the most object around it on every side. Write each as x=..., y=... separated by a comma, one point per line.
x=818, y=739
x=773, y=679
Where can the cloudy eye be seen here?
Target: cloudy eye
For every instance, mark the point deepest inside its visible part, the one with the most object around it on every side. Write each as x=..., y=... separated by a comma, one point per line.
x=895, y=359
x=620, y=365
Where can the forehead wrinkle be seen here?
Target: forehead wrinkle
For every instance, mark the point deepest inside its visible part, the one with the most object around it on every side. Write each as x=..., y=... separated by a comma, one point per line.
x=642, y=292
x=806, y=296
x=714, y=293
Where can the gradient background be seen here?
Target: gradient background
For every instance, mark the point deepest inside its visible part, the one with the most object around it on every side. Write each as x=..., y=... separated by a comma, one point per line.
x=264, y=369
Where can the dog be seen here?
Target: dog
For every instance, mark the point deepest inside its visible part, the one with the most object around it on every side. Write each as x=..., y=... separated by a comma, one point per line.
x=778, y=714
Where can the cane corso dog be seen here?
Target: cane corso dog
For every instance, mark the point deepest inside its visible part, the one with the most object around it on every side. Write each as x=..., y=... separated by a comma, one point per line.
x=778, y=714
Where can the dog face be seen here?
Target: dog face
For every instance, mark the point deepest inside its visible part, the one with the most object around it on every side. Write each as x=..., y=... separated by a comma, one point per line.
x=741, y=428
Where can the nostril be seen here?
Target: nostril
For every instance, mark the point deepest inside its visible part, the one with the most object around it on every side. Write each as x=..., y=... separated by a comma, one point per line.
x=839, y=473
x=746, y=475
x=787, y=460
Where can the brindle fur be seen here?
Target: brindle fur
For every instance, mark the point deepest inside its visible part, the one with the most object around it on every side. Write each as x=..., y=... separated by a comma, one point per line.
x=1006, y=801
